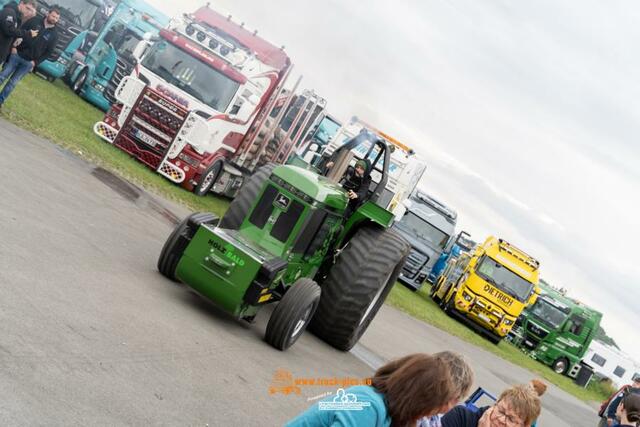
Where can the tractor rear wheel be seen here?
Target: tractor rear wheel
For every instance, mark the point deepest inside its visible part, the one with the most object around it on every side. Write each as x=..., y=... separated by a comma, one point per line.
x=239, y=207
x=179, y=239
x=357, y=285
x=292, y=314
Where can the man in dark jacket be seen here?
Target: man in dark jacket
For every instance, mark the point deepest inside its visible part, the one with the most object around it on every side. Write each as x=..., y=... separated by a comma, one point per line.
x=11, y=17
x=30, y=51
x=357, y=185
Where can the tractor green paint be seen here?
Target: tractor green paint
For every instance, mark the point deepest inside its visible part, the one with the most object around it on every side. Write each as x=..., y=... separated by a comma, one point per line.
x=286, y=226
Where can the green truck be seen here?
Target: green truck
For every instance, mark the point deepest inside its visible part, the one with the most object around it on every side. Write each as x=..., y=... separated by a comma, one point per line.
x=557, y=331
x=285, y=238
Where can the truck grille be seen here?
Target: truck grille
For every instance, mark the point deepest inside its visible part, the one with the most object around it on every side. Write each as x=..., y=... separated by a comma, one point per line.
x=123, y=68
x=65, y=35
x=415, y=262
x=530, y=343
x=536, y=331
x=485, y=315
x=150, y=128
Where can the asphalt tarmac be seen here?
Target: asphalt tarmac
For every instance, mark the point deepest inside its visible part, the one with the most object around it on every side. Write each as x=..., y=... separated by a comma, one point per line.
x=92, y=334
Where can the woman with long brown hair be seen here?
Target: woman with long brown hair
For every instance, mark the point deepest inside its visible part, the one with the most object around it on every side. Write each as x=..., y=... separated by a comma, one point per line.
x=401, y=392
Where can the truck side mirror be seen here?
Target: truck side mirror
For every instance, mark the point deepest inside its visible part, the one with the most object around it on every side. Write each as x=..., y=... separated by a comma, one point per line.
x=139, y=50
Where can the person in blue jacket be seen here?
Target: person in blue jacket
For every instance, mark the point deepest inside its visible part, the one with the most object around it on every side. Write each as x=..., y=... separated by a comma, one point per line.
x=401, y=392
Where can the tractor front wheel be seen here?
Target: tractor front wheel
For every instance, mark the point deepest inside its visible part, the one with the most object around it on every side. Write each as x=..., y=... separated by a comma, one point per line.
x=357, y=285
x=179, y=239
x=292, y=314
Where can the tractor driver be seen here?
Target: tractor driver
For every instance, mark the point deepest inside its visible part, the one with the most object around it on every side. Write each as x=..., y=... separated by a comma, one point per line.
x=357, y=183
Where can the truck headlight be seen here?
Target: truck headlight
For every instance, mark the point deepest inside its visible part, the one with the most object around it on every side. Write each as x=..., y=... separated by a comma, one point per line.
x=63, y=60
x=98, y=87
x=508, y=322
x=467, y=297
x=189, y=160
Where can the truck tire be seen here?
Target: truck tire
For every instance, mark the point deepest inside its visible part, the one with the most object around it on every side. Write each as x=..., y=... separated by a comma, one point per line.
x=79, y=82
x=494, y=338
x=357, y=285
x=208, y=179
x=447, y=306
x=179, y=239
x=433, y=292
x=292, y=314
x=247, y=195
x=560, y=365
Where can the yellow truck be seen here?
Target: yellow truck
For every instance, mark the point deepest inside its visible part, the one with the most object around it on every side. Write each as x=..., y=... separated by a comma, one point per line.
x=489, y=287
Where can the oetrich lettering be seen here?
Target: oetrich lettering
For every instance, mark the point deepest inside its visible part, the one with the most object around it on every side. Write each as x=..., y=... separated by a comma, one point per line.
x=496, y=293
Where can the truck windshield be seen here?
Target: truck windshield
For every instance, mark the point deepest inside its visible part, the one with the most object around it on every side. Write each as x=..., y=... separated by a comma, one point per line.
x=423, y=230
x=80, y=12
x=504, y=279
x=128, y=43
x=191, y=75
x=548, y=314
x=326, y=130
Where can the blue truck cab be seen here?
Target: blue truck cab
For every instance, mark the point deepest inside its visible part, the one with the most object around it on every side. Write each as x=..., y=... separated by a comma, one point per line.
x=428, y=225
x=77, y=19
x=96, y=71
x=462, y=243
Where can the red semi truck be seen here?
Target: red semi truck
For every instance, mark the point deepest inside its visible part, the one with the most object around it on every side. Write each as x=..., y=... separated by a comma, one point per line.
x=200, y=105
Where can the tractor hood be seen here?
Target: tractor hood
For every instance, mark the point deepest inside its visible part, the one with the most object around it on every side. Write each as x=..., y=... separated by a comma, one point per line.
x=313, y=185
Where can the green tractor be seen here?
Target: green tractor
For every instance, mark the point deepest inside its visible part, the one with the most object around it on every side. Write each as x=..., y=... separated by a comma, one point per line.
x=285, y=239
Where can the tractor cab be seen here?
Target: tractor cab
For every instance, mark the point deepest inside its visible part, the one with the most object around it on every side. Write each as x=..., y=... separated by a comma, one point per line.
x=377, y=154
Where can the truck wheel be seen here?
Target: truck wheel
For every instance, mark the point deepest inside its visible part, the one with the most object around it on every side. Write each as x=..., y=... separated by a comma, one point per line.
x=560, y=366
x=433, y=292
x=247, y=195
x=79, y=82
x=292, y=314
x=208, y=179
x=179, y=239
x=447, y=306
x=357, y=285
x=494, y=338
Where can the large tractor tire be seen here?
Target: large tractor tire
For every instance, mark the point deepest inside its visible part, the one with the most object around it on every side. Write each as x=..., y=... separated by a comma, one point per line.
x=179, y=239
x=247, y=195
x=357, y=285
x=292, y=314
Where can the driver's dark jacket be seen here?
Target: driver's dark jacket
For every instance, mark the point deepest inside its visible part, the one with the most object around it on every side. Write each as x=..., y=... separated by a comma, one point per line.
x=359, y=185
x=10, y=21
x=40, y=48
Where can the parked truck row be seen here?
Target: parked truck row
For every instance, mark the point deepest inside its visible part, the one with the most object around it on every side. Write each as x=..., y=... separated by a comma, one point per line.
x=206, y=103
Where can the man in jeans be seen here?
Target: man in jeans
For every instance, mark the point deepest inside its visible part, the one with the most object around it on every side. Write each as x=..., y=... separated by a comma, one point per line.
x=30, y=51
x=11, y=18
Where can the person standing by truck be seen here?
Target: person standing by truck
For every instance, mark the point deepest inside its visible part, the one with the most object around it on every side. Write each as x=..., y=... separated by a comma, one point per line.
x=11, y=18
x=30, y=51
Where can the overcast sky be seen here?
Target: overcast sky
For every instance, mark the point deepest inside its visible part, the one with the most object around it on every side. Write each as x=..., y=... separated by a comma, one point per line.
x=526, y=112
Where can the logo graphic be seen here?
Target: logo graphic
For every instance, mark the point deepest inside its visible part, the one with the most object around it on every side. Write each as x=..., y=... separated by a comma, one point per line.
x=282, y=382
x=343, y=402
x=282, y=201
